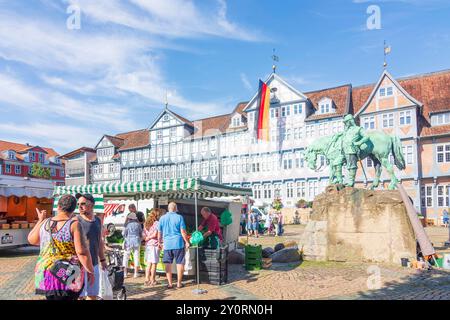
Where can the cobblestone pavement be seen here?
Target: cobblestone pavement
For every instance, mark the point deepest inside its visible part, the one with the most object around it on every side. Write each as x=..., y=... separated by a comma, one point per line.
x=308, y=280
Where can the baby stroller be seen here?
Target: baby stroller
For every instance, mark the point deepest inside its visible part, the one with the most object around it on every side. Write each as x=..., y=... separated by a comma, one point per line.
x=115, y=272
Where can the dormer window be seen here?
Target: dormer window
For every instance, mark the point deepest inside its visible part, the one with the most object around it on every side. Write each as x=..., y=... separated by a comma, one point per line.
x=32, y=156
x=11, y=155
x=165, y=117
x=386, y=92
x=236, y=122
x=41, y=157
x=326, y=106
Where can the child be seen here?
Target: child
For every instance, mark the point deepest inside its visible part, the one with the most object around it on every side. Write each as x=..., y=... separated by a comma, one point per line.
x=150, y=236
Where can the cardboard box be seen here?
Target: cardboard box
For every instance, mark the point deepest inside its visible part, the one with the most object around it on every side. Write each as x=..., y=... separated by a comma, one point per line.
x=5, y=226
x=15, y=226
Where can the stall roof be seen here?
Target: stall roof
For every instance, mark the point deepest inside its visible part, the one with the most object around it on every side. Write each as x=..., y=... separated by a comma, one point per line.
x=171, y=188
x=31, y=192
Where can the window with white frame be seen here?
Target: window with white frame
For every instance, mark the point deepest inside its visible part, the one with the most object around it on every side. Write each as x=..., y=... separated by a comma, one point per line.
x=325, y=107
x=152, y=153
x=443, y=153
x=195, y=146
x=188, y=170
x=386, y=92
x=147, y=173
x=205, y=168
x=179, y=149
x=196, y=169
x=153, y=173
x=405, y=117
x=429, y=196
x=62, y=173
x=285, y=111
x=408, y=154
x=313, y=188
x=125, y=176
x=167, y=172
x=145, y=154
x=301, y=189
x=41, y=158
x=214, y=168
x=138, y=155
x=298, y=109
x=369, y=122
x=181, y=171
x=160, y=173
x=139, y=174
x=440, y=119
x=204, y=145
x=112, y=167
x=388, y=120
x=132, y=175
x=257, y=191
x=187, y=148
x=159, y=136
x=131, y=155
x=18, y=169
x=369, y=163
x=442, y=195
x=213, y=144
x=290, y=190
x=166, y=151
x=251, y=117
x=173, y=172
x=173, y=133
x=287, y=161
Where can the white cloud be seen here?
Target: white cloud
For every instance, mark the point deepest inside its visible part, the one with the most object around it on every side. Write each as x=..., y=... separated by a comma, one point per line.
x=62, y=137
x=246, y=82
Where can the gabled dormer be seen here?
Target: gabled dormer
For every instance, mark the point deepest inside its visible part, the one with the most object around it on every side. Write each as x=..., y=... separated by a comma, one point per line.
x=169, y=127
x=387, y=94
x=107, y=147
x=326, y=106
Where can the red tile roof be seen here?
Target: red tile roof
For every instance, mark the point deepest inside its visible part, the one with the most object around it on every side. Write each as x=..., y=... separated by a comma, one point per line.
x=341, y=97
x=134, y=139
x=430, y=89
x=116, y=141
x=18, y=147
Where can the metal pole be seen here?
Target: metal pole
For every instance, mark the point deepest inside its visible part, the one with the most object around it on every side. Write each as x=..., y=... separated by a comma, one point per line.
x=198, y=290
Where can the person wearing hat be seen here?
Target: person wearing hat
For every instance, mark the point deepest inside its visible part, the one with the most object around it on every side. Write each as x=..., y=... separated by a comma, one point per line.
x=91, y=227
x=133, y=237
x=352, y=139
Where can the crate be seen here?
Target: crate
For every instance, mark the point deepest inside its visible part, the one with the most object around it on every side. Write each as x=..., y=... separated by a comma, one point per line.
x=15, y=226
x=208, y=254
x=5, y=226
x=213, y=267
x=24, y=225
x=214, y=278
x=253, y=257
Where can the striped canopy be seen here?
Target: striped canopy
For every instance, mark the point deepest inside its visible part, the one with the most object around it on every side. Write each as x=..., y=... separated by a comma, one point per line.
x=98, y=207
x=171, y=188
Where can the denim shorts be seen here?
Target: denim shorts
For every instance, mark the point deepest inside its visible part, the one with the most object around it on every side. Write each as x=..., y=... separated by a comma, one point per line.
x=170, y=255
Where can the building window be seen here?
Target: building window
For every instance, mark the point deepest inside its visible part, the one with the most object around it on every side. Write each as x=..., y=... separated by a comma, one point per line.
x=290, y=190
x=386, y=92
x=131, y=156
x=388, y=120
x=181, y=171
x=145, y=154
x=429, y=196
x=440, y=119
x=275, y=112
x=204, y=145
x=369, y=123
x=146, y=173
x=442, y=195
x=205, y=168
x=277, y=190
x=179, y=149
x=301, y=189
x=159, y=136
x=139, y=174
x=124, y=157
x=188, y=170
x=257, y=191
x=173, y=172
x=138, y=155
x=19, y=169
x=408, y=154
x=196, y=169
x=52, y=171
x=325, y=108
x=125, y=176
x=285, y=111
x=159, y=175
x=165, y=117
x=166, y=172
x=443, y=153
x=405, y=117
x=369, y=163
x=153, y=173
x=132, y=175
x=214, y=168
x=152, y=153
x=297, y=109
x=166, y=151
x=41, y=158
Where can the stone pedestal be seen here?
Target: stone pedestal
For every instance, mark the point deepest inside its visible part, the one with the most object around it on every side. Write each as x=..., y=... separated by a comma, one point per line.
x=358, y=225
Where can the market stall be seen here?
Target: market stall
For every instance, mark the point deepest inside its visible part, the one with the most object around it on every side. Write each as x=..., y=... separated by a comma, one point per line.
x=189, y=194
x=19, y=199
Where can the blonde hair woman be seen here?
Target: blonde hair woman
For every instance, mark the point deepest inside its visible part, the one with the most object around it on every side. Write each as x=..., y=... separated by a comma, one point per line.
x=150, y=236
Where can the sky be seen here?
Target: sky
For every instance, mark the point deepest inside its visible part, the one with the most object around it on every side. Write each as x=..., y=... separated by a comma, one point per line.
x=64, y=81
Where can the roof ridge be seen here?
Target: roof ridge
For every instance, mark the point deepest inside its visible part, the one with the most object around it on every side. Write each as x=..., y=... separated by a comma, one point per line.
x=128, y=132
x=341, y=86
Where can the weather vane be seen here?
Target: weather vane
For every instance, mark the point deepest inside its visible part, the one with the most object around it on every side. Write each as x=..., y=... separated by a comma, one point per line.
x=275, y=59
x=387, y=50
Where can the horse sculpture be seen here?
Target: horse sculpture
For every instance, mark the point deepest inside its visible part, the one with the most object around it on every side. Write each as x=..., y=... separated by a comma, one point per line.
x=378, y=148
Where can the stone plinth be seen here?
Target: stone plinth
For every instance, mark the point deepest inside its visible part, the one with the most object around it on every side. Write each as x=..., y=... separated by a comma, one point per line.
x=358, y=225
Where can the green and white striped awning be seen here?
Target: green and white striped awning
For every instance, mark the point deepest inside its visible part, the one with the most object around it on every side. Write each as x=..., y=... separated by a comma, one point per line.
x=171, y=188
x=99, y=206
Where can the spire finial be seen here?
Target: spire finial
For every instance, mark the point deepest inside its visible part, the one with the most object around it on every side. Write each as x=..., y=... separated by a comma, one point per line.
x=275, y=59
x=166, y=101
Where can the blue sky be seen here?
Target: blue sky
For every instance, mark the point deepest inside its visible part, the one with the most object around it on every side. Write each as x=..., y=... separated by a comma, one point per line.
x=65, y=88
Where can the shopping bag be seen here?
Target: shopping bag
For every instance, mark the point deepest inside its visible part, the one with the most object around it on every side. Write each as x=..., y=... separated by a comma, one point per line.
x=187, y=261
x=105, y=291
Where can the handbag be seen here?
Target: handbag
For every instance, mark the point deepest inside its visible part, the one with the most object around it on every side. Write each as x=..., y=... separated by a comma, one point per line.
x=65, y=270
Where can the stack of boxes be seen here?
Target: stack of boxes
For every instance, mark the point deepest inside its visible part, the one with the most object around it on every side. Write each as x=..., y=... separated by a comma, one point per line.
x=213, y=264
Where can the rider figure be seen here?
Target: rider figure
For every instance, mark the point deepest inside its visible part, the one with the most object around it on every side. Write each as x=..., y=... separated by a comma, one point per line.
x=352, y=138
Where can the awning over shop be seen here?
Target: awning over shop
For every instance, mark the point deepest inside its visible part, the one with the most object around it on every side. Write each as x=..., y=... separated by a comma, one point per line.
x=31, y=192
x=99, y=206
x=171, y=188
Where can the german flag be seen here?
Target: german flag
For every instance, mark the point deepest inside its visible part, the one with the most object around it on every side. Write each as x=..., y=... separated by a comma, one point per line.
x=262, y=113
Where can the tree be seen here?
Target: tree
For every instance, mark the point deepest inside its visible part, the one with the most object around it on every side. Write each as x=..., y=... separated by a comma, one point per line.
x=39, y=172
x=277, y=204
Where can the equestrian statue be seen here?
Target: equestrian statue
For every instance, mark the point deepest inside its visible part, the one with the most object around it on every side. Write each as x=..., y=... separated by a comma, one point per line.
x=352, y=145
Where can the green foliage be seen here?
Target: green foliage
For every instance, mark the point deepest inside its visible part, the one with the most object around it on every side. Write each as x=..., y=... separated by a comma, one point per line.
x=277, y=204
x=39, y=172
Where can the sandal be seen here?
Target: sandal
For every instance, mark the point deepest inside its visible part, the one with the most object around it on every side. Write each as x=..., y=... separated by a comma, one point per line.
x=179, y=287
x=169, y=286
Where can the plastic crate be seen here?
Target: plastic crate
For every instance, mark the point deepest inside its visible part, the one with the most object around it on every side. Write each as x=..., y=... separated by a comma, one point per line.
x=215, y=278
x=208, y=254
x=213, y=267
